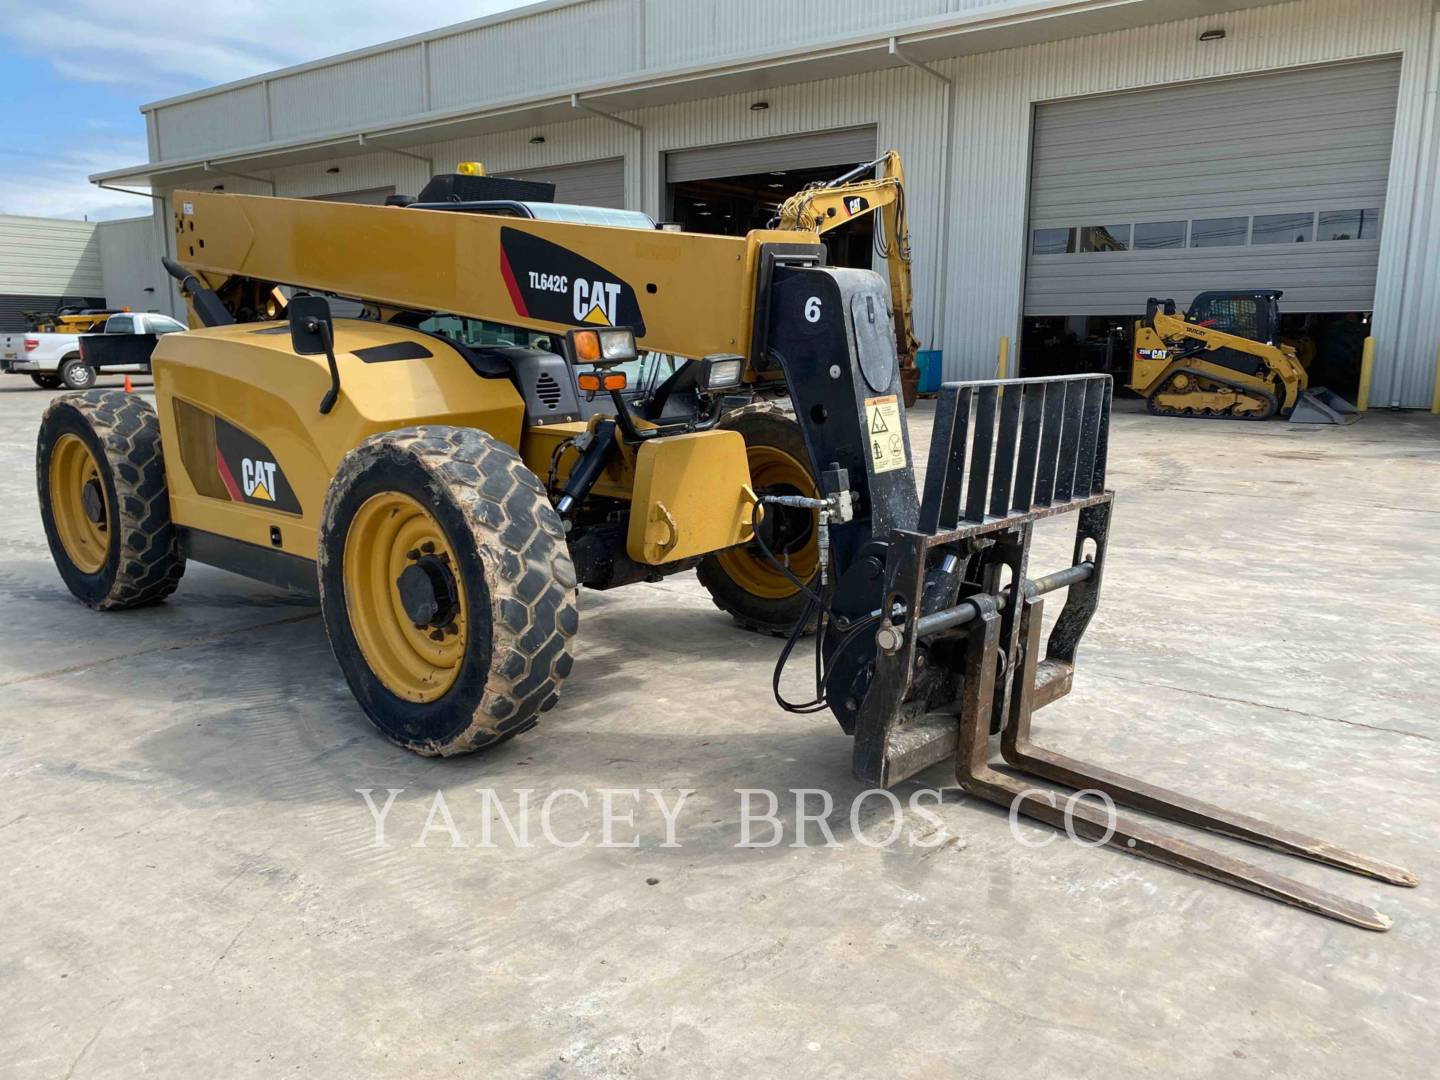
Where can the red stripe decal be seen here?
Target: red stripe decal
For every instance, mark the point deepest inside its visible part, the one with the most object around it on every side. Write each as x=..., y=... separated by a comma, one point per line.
x=226, y=476
x=509, y=276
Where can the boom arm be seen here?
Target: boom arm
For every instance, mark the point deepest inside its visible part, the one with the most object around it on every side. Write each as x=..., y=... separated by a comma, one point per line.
x=822, y=208
x=684, y=294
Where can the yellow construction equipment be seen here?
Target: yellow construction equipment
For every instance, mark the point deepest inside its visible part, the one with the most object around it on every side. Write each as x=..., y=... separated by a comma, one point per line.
x=70, y=317
x=446, y=470
x=877, y=187
x=1224, y=358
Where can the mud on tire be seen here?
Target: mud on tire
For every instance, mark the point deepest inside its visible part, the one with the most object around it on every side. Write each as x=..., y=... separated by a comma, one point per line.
x=507, y=551
x=139, y=561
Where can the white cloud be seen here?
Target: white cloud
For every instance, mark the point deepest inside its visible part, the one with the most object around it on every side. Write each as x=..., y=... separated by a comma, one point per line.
x=171, y=47
x=178, y=45
x=56, y=184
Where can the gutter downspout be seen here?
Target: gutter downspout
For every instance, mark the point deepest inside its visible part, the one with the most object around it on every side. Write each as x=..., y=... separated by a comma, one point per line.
x=939, y=302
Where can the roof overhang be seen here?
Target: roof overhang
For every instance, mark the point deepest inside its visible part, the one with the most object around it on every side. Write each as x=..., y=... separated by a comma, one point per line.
x=961, y=35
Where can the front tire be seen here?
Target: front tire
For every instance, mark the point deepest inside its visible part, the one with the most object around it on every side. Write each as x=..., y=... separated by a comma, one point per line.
x=76, y=374
x=742, y=581
x=103, y=500
x=446, y=587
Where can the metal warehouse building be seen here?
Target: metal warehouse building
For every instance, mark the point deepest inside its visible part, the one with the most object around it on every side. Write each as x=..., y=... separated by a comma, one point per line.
x=1065, y=158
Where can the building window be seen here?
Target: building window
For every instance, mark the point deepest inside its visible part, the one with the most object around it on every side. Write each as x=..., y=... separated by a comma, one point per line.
x=1160, y=234
x=1052, y=242
x=1219, y=232
x=1349, y=224
x=1283, y=229
x=1105, y=238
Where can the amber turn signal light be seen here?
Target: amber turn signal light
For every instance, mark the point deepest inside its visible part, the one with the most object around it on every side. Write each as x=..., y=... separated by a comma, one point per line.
x=587, y=346
x=593, y=381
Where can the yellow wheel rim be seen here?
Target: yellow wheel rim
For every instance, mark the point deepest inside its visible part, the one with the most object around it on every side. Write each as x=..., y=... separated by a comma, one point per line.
x=389, y=534
x=773, y=470
x=79, y=504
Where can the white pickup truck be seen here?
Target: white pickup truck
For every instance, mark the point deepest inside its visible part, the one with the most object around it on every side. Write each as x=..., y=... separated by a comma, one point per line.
x=53, y=360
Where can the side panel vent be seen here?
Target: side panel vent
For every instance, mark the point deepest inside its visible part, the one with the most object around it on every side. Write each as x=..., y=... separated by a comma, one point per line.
x=544, y=380
x=548, y=392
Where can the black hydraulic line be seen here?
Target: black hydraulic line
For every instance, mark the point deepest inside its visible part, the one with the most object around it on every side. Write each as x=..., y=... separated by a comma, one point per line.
x=206, y=304
x=966, y=610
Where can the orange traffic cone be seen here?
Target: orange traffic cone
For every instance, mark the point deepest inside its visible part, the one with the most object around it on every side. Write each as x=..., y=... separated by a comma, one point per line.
x=128, y=388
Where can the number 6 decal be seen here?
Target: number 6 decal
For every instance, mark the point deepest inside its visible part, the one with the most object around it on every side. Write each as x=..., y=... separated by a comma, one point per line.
x=812, y=309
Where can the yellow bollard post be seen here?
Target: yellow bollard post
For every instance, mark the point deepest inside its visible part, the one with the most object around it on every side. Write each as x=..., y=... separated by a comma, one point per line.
x=1435, y=398
x=1002, y=364
x=1367, y=361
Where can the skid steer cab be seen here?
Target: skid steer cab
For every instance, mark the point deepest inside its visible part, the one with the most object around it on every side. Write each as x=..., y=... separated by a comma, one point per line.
x=537, y=398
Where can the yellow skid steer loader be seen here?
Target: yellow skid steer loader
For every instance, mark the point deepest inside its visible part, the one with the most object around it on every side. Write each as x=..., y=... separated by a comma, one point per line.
x=1224, y=358
x=448, y=469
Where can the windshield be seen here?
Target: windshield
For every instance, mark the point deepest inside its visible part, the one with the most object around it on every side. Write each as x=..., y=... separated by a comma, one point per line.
x=642, y=375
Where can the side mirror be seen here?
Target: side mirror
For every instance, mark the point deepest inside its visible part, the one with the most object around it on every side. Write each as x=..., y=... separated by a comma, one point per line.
x=312, y=332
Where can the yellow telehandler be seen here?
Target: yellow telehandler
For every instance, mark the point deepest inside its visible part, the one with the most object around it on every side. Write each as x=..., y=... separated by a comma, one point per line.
x=446, y=470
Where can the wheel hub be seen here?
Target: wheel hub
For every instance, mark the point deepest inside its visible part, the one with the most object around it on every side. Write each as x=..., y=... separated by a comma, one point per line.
x=427, y=592
x=93, y=501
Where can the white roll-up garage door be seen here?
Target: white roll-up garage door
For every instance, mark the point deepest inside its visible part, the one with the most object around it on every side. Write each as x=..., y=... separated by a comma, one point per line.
x=588, y=183
x=812, y=151
x=1268, y=181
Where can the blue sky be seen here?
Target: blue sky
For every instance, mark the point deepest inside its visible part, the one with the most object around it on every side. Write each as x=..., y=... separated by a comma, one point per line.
x=75, y=73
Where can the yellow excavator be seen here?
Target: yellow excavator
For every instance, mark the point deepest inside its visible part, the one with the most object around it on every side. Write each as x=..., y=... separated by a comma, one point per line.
x=1224, y=358
x=877, y=187
x=446, y=489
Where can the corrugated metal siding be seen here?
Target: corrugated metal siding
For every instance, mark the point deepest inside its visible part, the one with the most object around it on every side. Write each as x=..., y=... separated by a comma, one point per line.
x=1311, y=140
x=811, y=151
x=223, y=121
x=991, y=162
x=532, y=53
x=588, y=183
x=348, y=96
x=548, y=50
x=679, y=33
x=49, y=257
x=130, y=265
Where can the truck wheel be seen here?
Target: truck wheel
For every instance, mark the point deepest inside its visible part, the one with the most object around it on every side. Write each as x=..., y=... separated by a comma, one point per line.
x=46, y=381
x=76, y=374
x=103, y=499
x=447, y=588
x=741, y=580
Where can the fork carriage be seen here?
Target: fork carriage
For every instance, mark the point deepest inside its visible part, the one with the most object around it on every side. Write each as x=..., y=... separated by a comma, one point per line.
x=956, y=654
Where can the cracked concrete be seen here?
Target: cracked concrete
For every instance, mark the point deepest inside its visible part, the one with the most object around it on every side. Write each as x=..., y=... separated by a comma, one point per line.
x=191, y=882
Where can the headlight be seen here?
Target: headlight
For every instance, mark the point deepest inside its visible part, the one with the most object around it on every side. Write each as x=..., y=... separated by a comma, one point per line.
x=722, y=372
x=612, y=345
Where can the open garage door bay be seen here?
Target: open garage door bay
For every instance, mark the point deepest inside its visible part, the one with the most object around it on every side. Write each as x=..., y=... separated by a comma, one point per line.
x=1272, y=181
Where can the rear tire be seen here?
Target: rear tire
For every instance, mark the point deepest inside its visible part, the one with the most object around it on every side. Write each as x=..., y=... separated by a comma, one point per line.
x=46, y=382
x=76, y=374
x=103, y=500
x=741, y=581
x=449, y=522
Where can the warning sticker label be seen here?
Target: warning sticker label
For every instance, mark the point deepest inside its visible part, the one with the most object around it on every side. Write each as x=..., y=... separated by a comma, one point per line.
x=887, y=441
